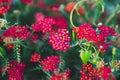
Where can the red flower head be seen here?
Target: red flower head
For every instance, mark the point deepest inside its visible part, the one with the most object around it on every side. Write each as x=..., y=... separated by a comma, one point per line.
x=43, y=25
x=4, y=6
x=35, y=57
x=88, y=72
x=17, y=32
x=50, y=62
x=60, y=40
x=15, y=70
x=105, y=71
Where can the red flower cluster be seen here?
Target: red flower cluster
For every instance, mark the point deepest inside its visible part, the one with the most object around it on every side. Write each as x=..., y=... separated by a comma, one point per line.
x=15, y=70
x=88, y=72
x=60, y=40
x=86, y=31
x=4, y=6
x=60, y=76
x=35, y=57
x=43, y=24
x=50, y=62
x=26, y=1
x=106, y=31
x=16, y=32
x=89, y=33
x=105, y=71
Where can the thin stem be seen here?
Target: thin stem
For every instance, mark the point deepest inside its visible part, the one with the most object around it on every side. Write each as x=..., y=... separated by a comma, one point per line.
x=94, y=49
x=74, y=8
x=5, y=17
x=73, y=35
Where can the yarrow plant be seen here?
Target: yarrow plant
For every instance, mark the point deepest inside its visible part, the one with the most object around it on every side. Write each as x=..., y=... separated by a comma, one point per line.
x=4, y=6
x=15, y=70
x=59, y=40
x=50, y=63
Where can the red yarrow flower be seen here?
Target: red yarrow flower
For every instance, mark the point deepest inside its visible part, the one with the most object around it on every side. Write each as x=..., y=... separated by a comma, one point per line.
x=50, y=62
x=43, y=25
x=15, y=70
x=4, y=6
x=88, y=72
x=60, y=40
x=86, y=31
x=105, y=71
x=35, y=57
x=16, y=32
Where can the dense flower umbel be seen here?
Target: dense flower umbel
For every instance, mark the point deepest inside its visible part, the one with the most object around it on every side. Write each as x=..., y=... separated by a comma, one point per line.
x=105, y=71
x=4, y=6
x=86, y=31
x=61, y=76
x=88, y=72
x=43, y=24
x=102, y=46
x=16, y=32
x=106, y=31
x=35, y=57
x=50, y=62
x=15, y=70
x=60, y=40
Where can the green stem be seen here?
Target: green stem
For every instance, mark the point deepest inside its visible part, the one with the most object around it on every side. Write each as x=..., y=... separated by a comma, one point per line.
x=74, y=8
x=73, y=35
x=94, y=49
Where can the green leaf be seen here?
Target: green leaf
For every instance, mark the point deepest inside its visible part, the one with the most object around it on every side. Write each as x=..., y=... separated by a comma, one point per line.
x=1, y=52
x=97, y=12
x=85, y=55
